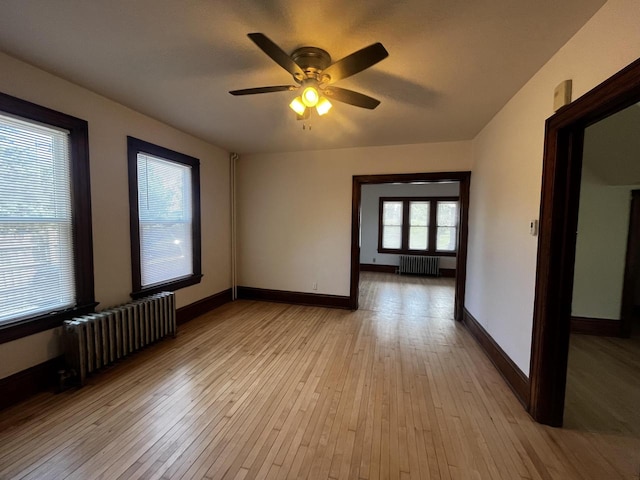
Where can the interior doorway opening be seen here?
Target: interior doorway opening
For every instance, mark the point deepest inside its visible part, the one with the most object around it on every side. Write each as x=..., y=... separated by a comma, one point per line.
x=401, y=245
x=603, y=388
x=562, y=170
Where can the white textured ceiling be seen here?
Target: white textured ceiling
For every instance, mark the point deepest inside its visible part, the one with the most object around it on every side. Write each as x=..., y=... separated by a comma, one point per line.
x=452, y=65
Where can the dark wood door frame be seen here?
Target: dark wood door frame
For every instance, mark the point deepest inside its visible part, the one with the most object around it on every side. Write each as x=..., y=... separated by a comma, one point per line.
x=562, y=167
x=631, y=267
x=464, y=178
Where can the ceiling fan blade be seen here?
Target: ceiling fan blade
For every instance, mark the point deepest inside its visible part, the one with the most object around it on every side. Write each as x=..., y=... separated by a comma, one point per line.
x=355, y=63
x=352, y=98
x=277, y=54
x=253, y=91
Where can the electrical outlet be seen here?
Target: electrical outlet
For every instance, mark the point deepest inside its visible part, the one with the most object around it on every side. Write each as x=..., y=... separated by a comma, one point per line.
x=374, y=260
x=315, y=285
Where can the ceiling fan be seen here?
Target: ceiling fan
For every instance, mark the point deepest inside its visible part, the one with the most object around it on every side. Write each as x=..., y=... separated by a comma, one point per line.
x=314, y=73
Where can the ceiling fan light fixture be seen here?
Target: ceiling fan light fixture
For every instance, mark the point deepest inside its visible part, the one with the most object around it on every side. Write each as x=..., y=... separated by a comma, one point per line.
x=298, y=106
x=323, y=106
x=310, y=96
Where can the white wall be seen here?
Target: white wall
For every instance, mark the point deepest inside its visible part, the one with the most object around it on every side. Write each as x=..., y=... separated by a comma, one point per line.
x=294, y=210
x=506, y=180
x=369, y=219
x=109, y=125
x=601, y=246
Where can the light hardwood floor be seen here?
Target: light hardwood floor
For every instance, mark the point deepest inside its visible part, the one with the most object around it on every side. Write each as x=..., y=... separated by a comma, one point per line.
x=262, y=390
x=603, y=385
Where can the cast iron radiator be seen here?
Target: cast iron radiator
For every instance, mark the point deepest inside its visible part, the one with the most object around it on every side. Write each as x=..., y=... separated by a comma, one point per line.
x=419, y=265
x=99, y=339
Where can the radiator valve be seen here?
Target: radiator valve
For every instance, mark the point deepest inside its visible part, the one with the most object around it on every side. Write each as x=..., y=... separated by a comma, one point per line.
x=65, y=378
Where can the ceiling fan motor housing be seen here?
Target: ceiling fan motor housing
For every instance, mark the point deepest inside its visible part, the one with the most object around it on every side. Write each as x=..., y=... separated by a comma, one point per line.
x=312, y=60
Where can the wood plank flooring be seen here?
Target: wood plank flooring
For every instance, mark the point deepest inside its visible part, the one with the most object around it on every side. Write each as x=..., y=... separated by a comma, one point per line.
x=603, y=385
x=262, y=390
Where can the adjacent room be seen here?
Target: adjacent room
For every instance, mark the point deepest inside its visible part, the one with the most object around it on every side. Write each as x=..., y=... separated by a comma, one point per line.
x=605, y=340
x=319, y=240
x=408, y=243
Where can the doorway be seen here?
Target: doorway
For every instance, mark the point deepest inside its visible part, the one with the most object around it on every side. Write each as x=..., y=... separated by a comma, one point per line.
x=562, y=169
x=603, y=391
x=461, y=258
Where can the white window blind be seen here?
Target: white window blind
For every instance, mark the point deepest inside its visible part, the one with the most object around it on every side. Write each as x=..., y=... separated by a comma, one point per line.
x=36, y=243
x=165, y=219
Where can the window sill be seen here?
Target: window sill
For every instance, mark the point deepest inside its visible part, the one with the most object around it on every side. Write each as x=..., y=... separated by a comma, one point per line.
x=28, y=326
x=171, y=286
x=417, y=252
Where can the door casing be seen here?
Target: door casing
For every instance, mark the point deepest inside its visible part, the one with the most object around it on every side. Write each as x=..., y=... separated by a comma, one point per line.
x=562, y=166
x=464, y=178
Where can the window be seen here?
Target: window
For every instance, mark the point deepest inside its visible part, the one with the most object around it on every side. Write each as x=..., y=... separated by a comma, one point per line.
x=392, y=221
x=447, y=226
x=46, y=261
x=418, y=226
x=164, y=196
